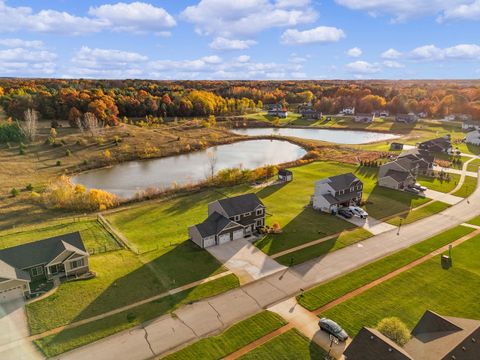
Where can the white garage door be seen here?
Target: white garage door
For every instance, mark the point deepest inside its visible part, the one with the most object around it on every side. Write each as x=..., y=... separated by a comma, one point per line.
x=238, y=234
x=11, y=294
x=210, y=241
x=222, y=239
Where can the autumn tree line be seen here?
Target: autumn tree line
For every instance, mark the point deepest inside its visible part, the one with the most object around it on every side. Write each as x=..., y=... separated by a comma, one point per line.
x=112, y=101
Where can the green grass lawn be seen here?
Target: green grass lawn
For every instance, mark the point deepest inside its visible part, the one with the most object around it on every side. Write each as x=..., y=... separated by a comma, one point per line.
x=452, y=292
x=232, y=339
x=418, y=214
x=71, y=338
x=287, y=346
x=346, y=238
x=473, y=165
x=329, y=291
x=436, y=184
x=475, y=221
x=94, y=235
x=263, y=116
x=468, y=187
x=122, y=278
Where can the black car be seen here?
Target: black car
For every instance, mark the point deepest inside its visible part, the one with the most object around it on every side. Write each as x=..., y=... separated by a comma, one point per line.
x=347, y=214
x=332, y=328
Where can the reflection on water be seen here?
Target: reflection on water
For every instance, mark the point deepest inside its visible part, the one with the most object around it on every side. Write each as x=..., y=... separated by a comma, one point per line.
x=128, y=178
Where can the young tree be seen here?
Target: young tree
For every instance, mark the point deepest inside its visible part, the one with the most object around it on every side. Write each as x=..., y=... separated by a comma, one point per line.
x=212, y=163
x=394, y=329
x=29, y=126
x=90, y=123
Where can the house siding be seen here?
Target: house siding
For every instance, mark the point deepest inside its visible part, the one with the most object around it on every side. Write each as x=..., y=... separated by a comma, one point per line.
x=195, y=236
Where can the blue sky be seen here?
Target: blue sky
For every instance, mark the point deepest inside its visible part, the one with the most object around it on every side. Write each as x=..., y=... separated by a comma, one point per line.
x=241, y=39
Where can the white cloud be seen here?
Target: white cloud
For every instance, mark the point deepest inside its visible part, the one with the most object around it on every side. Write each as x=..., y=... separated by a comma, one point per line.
x=427, y=52
x=243, y=58
x=391, y=54
x=432, y=52
x=354, y=52
x=470, y=11
x=393, y=64
x=321, y=34
x=402, y=9
x=235, y=19
x=213, y=59
x=221, y=43
x=363, y=67
x=134, y=17
x=19, y=61
x=19, y=43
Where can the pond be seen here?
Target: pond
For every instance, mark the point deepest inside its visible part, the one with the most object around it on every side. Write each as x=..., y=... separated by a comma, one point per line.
x=353, y=137
x=126, y=179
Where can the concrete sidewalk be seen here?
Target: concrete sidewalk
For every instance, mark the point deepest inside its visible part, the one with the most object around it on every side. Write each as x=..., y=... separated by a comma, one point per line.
x=455, y=171
x=443, y=197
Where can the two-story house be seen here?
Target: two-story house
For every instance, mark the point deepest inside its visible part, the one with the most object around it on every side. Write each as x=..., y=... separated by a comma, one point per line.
x=308, y=112
x=62, y=256
x=441, y=144
x=337, y=191
x=277, y=110
x=229, y=219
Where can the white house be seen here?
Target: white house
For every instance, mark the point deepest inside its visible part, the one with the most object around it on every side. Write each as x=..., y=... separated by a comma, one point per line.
x=337, y=191
x=348, y=111
x=473, y=137
x=470, y=125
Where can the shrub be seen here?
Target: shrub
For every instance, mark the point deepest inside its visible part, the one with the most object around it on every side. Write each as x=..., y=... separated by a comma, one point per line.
x=14, y=192
x=68, y=152
x=58, y=163
x=29, y=187
x=10, y=132
x=394, y=329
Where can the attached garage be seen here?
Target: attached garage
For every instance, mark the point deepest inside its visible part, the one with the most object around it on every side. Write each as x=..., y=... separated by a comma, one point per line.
x=209, y=241
x=224, y=238
x=11, y=292
x=238, y=234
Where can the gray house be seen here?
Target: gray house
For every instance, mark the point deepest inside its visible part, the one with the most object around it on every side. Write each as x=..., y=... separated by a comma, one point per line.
x=229, y=219
x=60, y=256
x=337, y=191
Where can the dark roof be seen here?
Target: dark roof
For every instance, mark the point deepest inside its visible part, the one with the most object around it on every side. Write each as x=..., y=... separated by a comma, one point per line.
x=240, y=204
x=370, y=344
x=284, y=172
x=438, y=144
x=432, y=322
x=213, y=224
x=398, y=176
x=42, y=251
x=344, y=181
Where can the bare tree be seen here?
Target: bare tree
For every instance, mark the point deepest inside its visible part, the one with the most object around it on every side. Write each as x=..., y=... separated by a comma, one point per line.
x=29, y=125
x=90, y=123
x=212, y=163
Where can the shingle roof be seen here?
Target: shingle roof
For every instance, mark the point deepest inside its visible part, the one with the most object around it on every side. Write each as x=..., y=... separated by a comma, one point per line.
x=370, y=344
x=343, y=181
x=432, y=322
x=284, y=172
x=398, y=176
x=240, y=204
x=213, y=224
x=42, y=251
x=8, y=272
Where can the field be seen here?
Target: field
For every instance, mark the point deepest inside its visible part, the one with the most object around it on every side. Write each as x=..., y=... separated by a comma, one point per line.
x=329, y=291
x=467, y=188
x=475, y=221
x=424, y=287
x=284, y=346
x=69, y=339
x=417, y=214
x=434, y=183
x=232, y=339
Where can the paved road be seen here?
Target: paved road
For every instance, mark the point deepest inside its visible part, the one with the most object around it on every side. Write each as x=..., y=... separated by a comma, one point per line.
x=213, y=315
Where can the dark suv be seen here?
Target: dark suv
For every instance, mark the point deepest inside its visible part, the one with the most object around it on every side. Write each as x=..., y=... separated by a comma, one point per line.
x=331, y=327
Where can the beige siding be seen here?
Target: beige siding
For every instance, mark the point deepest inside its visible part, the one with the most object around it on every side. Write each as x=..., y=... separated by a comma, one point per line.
x=388, y=182
x=195, y=236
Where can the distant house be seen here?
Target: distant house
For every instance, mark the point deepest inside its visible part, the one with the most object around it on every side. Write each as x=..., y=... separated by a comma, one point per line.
x=229, y=219
x=381, y=113
x=473, y=137
x=422, y=115
x=449, y=118
x=60, y=256
x=402, y=172
x=308, y=112
x=462, y=117
x=348, y=111
x=435, y=337
x=337, y=191
x=285, y=175
x=441, y=144
x=364, y=118
x=278, y=110
x=406, y=118
x=471, y=125
x=396, y=146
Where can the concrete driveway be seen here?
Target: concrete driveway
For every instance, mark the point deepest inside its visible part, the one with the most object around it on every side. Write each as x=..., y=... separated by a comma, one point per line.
x=13, y=331
x=370, y=224
x=443, y=197
x=245, y=260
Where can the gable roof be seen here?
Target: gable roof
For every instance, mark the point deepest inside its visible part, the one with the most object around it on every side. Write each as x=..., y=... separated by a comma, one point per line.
x=240, y=204
x=42, y=251
x=343, y=181
x=284, y=172
x=441, y=143
x=213, y=224
x=8, y=272
x=370, y=344
x=398, y=176
x=432, y=322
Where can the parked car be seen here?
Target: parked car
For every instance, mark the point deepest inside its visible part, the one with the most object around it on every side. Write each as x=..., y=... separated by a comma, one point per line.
x=412, y=190
x=331, y=327
x=358, y=211
x=419, y=187
x=346, y=213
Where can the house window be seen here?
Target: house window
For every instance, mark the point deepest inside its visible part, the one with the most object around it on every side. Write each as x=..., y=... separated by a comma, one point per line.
x=77, y=263
x=259, y=222
x=352, y=188
x=236, y=217
x=37, y=271
x=259, y=212
x=247, y=214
